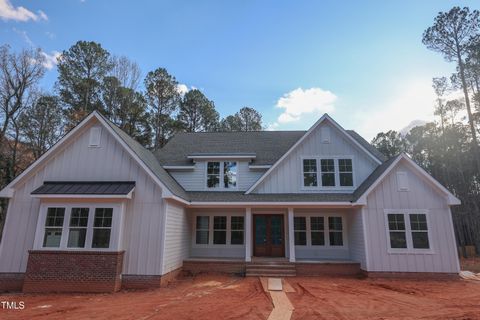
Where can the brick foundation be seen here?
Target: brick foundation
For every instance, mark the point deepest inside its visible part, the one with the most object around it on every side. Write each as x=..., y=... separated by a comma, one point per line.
x=412, y=275
x=193, y=267
x=73, y=271
x=135, y=281
x=11, y=282
x=327, y=269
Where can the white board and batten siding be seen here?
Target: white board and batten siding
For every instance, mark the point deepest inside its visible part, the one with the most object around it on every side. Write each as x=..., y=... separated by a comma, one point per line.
x=356, y=237
x=287, y=176
x=391, y=195
x=177, y=237
x=196, y=179
x=76, y=161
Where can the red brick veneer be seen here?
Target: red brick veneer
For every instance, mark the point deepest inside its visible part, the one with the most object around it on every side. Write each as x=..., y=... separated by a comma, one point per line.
x=73, y=271
x=329, y=269
x=138, y=281
x=11, y=282
x=194, y=267
x=411, y=275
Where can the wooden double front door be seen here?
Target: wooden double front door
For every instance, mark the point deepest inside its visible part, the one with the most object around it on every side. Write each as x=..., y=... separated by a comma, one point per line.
x=269, y=240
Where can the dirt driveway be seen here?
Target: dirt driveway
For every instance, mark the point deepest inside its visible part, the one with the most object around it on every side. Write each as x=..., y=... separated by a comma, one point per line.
x=222, y=297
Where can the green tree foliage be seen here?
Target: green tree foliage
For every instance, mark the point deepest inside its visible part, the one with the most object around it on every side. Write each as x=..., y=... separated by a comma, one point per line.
x=41, y=124
x=81, y=71
x=197, y=113
x=231, y=123
x=453, y=34
x=163, y=98
x=247, y=119
x=390, y=143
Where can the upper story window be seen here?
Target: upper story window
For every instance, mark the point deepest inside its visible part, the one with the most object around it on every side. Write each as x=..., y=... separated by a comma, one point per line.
x=310, y=172
x=222, y=174
x=327, y=172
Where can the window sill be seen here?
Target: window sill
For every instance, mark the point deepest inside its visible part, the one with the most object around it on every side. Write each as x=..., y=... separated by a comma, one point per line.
x=411, y=251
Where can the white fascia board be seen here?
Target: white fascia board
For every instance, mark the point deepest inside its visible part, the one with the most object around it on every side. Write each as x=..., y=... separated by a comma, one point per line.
x=222, y=157
x=82, y=196
x=451, y=199
x=323, y=118
x=179, y=167
x=178, y=199
x=44, y=156
x=6, y=192
x=254, y=167
x=199, y=204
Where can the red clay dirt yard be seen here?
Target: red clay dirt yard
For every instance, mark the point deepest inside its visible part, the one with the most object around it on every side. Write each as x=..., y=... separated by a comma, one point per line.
x=224, y=297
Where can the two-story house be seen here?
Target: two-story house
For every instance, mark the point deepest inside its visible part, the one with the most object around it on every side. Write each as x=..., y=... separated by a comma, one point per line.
x=98, y=211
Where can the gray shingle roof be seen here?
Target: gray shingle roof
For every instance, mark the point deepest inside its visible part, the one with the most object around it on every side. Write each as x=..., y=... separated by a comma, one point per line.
x=86, y=187
x=150, y=161
x=227, y=196
x=372, y=178
x=268, y=146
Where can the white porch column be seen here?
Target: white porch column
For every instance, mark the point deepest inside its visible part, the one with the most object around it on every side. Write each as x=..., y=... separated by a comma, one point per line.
x=248, y=234
x=291, y=235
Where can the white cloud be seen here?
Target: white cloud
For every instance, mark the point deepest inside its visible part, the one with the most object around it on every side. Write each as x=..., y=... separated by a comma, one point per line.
x=300, y=103
x=51, y=59
x=9, y=12
x=182, y=88
x=412, y=102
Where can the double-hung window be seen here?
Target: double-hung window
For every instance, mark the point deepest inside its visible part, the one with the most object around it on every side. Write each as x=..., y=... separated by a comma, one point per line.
x=202, y=230
x=53, y=227
x=335, y=231
x=102, y=227
x=345, y=169
x=222, y=175
x=300, y=231
x=78, y=228
x=419, y=228
x=213, y=175
x=407, y=231
x=237, y=229
x=310, y=172
x=219, y=230
x=317, y=231
x=328, y=172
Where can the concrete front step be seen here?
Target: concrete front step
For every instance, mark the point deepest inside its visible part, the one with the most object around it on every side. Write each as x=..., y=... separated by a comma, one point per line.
x=276, y=275
x=271, y=266
x=270, y=271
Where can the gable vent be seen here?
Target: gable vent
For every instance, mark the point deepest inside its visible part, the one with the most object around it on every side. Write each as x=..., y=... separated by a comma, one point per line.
x=325, y=134
x=402, y=181
x=95, y=134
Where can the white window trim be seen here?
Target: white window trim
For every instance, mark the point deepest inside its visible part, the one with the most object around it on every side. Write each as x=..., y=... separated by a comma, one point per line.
x=326, y=231
x=115, y=233
x=337, y=186
x=222, y=166
x=211, y=216
x=408, y=232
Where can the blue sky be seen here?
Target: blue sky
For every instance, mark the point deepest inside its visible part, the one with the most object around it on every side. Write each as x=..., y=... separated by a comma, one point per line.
x=363, y=62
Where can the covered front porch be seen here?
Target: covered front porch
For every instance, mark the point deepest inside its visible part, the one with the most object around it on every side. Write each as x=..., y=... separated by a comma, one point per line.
x=230, y=239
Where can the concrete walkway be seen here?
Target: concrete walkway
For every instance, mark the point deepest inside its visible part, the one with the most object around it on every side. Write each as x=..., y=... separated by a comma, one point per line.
x=282, y=307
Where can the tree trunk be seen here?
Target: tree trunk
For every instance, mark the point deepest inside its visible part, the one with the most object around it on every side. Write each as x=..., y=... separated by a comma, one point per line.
x=476, y=151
